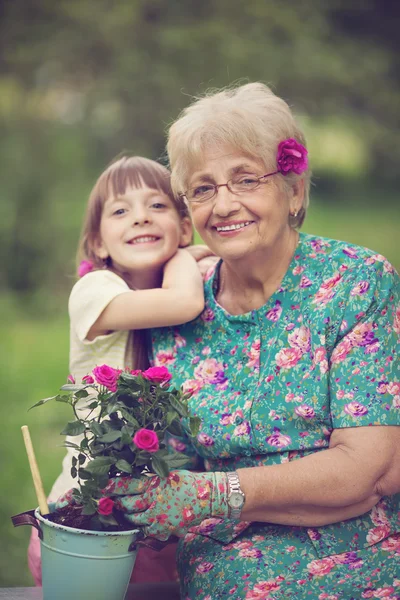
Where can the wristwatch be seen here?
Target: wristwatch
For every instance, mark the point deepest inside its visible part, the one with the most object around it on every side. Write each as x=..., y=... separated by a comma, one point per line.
x=236, y=497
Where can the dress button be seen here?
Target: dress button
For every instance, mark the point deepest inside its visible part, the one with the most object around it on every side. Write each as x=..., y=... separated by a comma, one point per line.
x=238, y=420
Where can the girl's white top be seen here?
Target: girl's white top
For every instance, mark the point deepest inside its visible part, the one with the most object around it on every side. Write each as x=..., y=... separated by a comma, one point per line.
x=89, y=297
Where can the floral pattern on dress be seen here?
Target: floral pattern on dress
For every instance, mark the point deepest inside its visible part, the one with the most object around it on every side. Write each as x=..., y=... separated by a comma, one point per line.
x=270, y=386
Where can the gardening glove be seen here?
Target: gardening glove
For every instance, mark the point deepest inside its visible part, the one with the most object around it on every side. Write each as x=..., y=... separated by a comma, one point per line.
x=65, y=499
x=163, y=507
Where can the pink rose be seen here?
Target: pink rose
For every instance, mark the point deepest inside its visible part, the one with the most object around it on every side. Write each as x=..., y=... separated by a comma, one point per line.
x=107, y=376
x=157, y=374
x=321, y=567
x=105, y=506
x=71, y=379
x=300, y=338
x=145, y=439
x=205, y=440
x=87, y=379
x=204, y=567
x=355, y=409
x=377, y=534
x=341, y=351
x=288, y=357
x=292, y=157
x=192, y=386
x=165, y=358
x=305, y=411
x=392, y=544
x=85, y=267
x=278, y=439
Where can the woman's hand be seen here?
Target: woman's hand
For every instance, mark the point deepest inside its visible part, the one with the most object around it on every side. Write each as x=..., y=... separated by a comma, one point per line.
x=170, y=506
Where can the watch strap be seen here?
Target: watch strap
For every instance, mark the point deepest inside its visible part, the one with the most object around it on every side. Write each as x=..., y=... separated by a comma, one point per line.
x=234, y=488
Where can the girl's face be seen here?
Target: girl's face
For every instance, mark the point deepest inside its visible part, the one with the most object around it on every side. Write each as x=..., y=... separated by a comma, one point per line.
x=140, y=231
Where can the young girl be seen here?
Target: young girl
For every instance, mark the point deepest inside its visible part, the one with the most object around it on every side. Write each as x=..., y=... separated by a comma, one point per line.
x=134, y=275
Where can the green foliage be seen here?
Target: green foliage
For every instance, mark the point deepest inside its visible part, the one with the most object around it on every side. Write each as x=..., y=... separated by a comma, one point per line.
x=107, y=446
x=83, y=81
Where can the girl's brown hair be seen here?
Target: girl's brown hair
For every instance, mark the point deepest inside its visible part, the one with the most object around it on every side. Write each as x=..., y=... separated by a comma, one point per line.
x=125, y=172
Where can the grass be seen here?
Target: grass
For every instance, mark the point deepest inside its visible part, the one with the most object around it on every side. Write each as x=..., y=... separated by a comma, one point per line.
x=35, y=361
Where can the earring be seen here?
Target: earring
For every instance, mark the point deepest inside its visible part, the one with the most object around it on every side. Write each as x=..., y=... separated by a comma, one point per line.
x=294, y=213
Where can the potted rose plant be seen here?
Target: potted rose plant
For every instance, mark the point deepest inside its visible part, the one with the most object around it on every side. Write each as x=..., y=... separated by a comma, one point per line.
x=122, y=421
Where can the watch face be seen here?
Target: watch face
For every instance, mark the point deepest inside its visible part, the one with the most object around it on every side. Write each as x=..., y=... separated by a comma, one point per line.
x=236, y=500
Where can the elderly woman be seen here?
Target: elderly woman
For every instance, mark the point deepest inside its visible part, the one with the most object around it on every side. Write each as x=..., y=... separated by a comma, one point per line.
x=292, y=369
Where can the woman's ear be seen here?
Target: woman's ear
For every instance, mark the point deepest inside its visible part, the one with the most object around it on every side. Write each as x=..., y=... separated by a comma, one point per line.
x=186, y=232
x=297, y=196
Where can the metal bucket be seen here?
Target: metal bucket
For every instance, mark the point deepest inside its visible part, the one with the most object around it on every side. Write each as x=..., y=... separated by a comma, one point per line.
x=79, y=564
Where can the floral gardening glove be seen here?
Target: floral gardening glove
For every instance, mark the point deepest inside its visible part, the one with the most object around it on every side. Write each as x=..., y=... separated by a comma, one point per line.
x=170, y=506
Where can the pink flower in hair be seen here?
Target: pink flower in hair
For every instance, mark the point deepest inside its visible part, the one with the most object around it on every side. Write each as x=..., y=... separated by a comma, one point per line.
x=292, y=157
x=85, y=267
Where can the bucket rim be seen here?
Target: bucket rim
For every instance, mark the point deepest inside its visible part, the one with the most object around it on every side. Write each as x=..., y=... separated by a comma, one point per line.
x=88, y=532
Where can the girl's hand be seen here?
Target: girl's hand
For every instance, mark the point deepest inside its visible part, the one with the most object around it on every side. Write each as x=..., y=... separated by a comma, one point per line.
x=204, y=257
x=170, y=506
x=199, y=251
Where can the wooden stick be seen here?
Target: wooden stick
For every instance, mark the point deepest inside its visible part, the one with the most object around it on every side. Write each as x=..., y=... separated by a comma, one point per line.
x=37, y=480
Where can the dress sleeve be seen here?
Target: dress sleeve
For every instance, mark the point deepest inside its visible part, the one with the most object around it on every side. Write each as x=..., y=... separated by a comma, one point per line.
x=90, y=296
x=364, y=364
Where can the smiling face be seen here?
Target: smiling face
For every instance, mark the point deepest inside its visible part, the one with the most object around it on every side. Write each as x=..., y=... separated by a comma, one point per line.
x=140, y=230
x=249, y=225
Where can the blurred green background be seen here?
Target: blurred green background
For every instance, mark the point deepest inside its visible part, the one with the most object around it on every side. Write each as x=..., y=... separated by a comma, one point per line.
x=83, y=80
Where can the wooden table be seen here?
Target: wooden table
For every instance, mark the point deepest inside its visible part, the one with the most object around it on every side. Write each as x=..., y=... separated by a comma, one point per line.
x=137, y=591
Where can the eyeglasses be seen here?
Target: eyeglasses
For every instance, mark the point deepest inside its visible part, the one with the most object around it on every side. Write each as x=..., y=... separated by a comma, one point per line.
x=240, y=184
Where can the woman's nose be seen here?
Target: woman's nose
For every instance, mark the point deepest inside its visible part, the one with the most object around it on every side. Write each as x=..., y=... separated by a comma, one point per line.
x=225, y=202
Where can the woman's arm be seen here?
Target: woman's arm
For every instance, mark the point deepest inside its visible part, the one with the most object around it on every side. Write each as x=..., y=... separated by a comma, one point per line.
x=361, y=465
x=179, y=300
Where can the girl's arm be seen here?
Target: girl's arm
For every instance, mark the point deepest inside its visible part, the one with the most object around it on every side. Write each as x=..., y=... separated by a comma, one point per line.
x=342, y=482
x=179, y=300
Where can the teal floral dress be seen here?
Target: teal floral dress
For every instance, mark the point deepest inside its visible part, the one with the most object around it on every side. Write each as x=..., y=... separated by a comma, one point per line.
x=269, y=386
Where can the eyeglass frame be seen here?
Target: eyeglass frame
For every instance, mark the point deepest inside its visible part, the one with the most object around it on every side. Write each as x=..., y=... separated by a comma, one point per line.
x=218, y=185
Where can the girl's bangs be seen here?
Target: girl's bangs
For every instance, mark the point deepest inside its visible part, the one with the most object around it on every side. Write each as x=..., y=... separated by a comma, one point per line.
x=134, y=172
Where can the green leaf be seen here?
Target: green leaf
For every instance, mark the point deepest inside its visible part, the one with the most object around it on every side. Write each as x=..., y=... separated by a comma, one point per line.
x=126, y=438
x=84, y=474
x=74, y=461
x=128, y=417
x=72, y=387
x=74, y=472
x=93, y=405
x=175, y=428
x=133, y=382
x=81, y=458
x=96, y=428
x=123, y=465
x=110, y=437
x=194, y=425
x=73, y=428
x=160, y=466
x=180, y=408
x=108, y=520
x=90, y=508
x=63, y=398
x=68, y=444
x=42, y=402
x=100, y=465
x=176, y=460
x=82, y=394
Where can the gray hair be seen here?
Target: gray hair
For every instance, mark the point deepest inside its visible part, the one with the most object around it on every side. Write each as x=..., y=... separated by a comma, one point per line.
x=250, y=118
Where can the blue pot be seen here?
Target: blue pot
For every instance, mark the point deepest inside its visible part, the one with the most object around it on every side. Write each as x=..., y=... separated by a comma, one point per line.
x=79, y=564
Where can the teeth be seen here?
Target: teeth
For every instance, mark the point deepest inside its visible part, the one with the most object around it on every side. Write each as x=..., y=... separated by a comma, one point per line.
x=233, y=227
x=145, y=238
